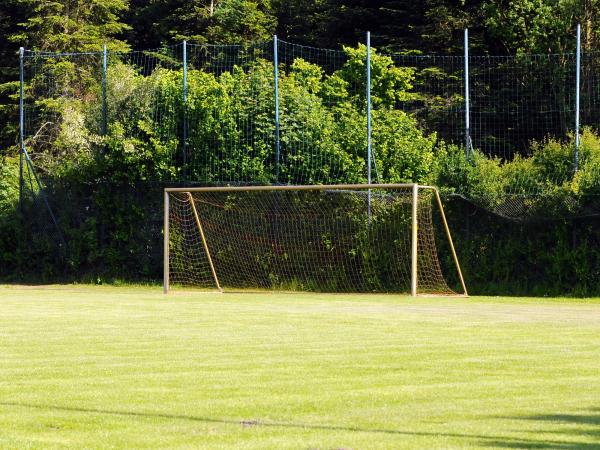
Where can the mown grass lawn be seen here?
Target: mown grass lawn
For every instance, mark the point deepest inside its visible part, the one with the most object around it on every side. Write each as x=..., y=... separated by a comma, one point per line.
x=102, y=367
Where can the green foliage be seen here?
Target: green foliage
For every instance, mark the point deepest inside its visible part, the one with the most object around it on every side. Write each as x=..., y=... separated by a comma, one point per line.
x=542, y=185
x=72, y=25
x=389, y=84
x=303, y=21
x=237, y=21
x=9, y=185
x=231, y=131
x=404, y=153
x=309, y=128
x=540, y=26
x=553, y=160
x=230, y=138
x=13, y=258
x=587, y=179
x=204, y=21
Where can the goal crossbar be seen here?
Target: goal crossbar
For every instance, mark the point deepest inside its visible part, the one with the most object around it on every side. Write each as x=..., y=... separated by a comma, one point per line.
x=415, y=188
x=301, y=187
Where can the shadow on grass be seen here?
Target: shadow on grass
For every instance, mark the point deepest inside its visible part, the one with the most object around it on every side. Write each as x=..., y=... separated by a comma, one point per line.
x=482, y=440
x=245, y=422
x=562, y=427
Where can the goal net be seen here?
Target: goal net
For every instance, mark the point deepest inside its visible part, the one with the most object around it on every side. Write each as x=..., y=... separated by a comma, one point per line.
x=341, y=238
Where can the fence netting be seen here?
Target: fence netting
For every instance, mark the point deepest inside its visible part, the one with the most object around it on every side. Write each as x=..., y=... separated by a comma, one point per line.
x=62, y=106
x=197, y=114
x=228, y=114
x=322, y=115
x=210, y=114
x=143, y=112
x=438, y=94
x=518, y=99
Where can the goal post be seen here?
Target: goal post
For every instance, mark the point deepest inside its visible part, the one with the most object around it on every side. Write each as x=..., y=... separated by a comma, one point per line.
x=309, y=237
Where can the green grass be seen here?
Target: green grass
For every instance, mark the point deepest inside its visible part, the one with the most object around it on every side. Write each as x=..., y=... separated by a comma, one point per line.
x=101, y=367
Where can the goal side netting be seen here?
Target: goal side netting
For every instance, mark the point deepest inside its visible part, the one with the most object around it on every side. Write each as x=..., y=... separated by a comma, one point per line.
x=342, y=238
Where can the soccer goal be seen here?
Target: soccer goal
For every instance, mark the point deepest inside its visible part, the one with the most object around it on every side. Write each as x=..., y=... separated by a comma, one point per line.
x=338, y=238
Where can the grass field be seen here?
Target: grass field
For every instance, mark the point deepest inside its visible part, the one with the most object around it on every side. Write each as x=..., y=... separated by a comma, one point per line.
x=102, y=367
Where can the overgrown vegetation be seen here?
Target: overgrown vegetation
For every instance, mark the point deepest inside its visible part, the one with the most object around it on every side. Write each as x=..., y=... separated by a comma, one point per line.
x=106, y=187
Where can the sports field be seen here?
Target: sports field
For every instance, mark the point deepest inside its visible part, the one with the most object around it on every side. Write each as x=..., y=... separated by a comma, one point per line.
x=102, y=367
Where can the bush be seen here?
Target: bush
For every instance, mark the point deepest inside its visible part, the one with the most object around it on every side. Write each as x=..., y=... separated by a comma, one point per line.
x=9, y=185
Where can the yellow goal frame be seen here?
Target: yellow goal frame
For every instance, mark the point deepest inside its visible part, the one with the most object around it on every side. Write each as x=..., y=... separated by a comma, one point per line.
x=319, y=187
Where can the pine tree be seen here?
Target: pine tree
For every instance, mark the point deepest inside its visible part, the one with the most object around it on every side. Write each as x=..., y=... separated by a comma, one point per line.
x=158, y=22
x=238, y=21
x=72, y=25
x=10, y=15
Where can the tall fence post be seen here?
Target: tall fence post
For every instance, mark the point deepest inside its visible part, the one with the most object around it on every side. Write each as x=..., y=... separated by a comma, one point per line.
x=467, y=100
x=369, y=143
x=277, y=132
x=21, y=124
x=104, y=85
x=185, y=121
x=577, y=89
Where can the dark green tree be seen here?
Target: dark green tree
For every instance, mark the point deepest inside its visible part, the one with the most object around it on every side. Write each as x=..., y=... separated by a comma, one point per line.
x=72, y=25
x=238, y=21
x=542, y=26
x=429, y=26
x=303, y=21
x=159, y=22
x=11, y=13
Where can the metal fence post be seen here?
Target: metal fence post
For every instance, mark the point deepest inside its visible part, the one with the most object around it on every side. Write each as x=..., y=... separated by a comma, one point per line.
x=184, y=118
x=369, y=143
x=468, y=144
x=277, y=124
x=104, y=83
x=21, y=124
x=577, y=89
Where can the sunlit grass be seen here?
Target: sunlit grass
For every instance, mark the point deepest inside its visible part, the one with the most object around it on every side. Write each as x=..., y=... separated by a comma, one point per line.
x=97, y=367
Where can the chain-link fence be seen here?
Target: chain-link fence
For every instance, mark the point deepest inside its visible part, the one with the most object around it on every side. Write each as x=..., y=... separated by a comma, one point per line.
x=215, y=110
x=105, y=123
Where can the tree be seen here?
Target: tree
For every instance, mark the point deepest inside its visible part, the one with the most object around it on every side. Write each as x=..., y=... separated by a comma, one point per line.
x=72, y=25
x=302, y=21
x=238, y=21
x=443, y=23
x=542, y=26
x=159, y=22
x=429, y=26
x=10, y=16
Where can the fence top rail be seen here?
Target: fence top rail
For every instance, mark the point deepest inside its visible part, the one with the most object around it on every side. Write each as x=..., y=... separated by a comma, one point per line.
x=42, y=54
x=305, y=187
x=310, y=47
x=392, y=54
x=230, y=46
